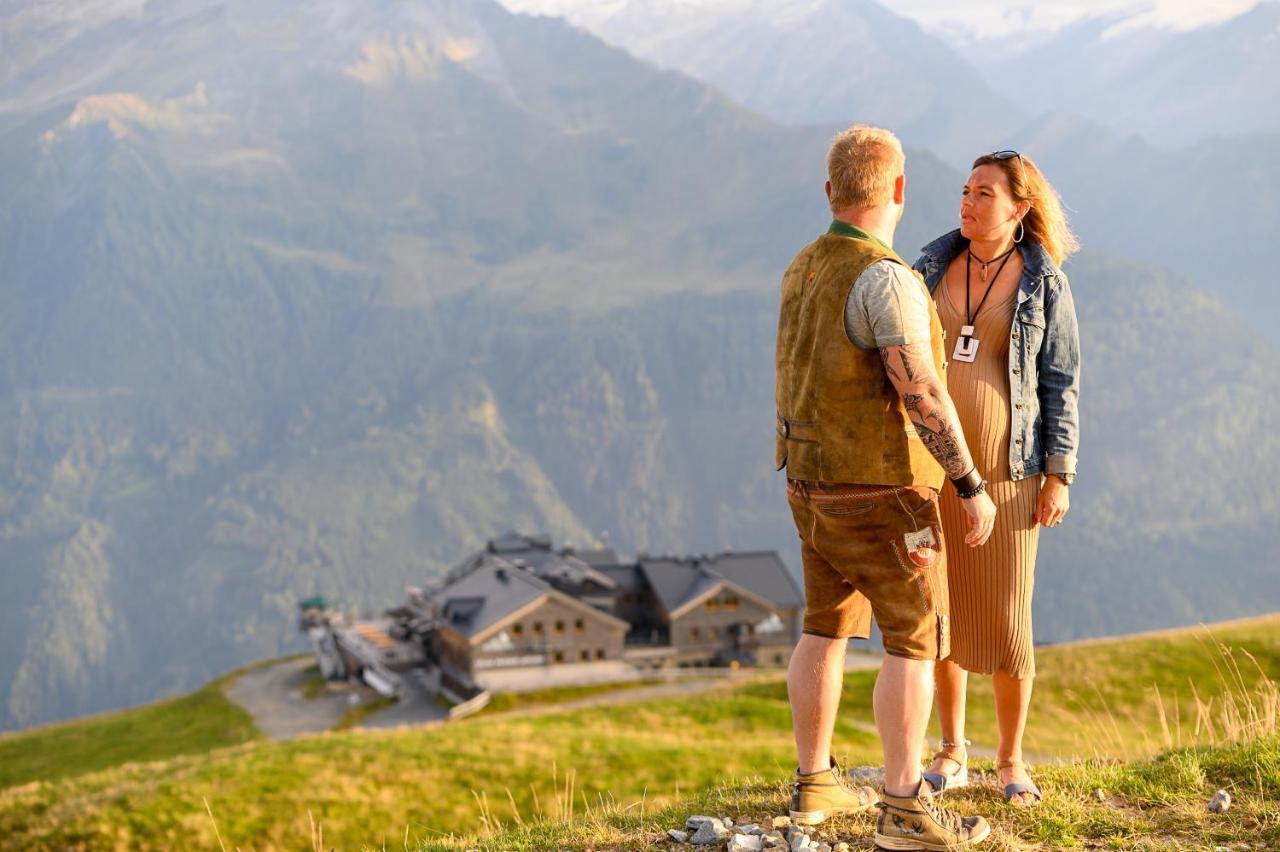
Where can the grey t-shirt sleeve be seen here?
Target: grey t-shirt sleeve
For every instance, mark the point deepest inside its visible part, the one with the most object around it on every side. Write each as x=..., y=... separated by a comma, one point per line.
x=887, y=307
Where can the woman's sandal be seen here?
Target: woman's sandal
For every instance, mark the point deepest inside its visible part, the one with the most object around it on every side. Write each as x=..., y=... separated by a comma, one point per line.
x=1013, y=789
x=956, y=753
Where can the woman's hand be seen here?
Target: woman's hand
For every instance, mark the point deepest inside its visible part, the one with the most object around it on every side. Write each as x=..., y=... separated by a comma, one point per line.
x=1053, y=502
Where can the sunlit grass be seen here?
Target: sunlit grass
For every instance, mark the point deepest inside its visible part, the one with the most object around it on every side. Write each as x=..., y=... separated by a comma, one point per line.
x=617, y=776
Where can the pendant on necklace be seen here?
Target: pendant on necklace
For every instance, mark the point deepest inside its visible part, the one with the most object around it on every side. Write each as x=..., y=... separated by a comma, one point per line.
x=983, y=273
x=966, y=345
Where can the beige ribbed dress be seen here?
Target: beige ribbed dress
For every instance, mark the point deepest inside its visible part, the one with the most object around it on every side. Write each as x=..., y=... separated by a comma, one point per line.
x=990, y=585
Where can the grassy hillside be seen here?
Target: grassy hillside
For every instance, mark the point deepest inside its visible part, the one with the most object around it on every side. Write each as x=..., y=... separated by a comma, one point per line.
x=1126, y=697
x=1151, y=804
x=196, y=723
x=603, y=776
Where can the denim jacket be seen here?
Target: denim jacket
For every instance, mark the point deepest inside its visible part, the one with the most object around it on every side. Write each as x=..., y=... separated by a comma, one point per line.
x=1044, y=359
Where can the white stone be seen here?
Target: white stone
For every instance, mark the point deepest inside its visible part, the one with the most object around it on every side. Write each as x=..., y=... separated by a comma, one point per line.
x=822, y=847
x=840, y=847
x=726, y=822
x=749, y=828
x=1220, y=802
x=780, y=822
x=774, y=838
x=708, y=833
x=745, y=843
x=800, y=841
x=677, y=835
x=693, y=823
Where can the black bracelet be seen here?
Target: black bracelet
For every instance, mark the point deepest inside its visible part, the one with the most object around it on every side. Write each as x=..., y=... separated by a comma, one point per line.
x=968, y=482
x=973, y=492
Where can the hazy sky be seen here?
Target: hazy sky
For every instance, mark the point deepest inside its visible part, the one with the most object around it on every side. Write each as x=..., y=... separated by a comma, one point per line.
x=998, y=17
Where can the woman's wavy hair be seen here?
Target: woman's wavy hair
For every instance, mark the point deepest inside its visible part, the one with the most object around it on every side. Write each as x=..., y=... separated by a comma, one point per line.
x=1046, y=223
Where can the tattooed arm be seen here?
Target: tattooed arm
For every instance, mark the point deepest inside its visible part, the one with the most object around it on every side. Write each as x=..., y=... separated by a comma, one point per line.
x=910, y=370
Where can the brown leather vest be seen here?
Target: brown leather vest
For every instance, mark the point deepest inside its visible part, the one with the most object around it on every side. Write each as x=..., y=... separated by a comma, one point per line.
x=839, y=418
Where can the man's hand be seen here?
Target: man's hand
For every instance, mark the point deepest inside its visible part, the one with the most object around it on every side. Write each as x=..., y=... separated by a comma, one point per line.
x=1053, y=502
x=982, y=519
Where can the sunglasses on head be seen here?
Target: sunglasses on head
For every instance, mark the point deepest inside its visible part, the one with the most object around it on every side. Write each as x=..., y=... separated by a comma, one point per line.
x=1007, y=155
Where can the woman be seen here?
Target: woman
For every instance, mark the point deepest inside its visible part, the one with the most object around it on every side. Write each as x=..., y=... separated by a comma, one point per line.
x=1014, y=374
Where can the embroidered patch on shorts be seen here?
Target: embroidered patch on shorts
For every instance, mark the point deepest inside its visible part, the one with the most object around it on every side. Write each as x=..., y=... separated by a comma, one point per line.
x=922, y=547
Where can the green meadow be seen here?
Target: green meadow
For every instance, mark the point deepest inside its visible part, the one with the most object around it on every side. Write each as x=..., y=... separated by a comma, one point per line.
x=1157, y=723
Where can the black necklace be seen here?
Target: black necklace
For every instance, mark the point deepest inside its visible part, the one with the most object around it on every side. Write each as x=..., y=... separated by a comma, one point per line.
x=986, y=263
x=966, y=344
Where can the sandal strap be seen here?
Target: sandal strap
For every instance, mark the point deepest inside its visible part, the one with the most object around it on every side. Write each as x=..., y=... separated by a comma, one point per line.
x=1011, y=790
x=1012, y=764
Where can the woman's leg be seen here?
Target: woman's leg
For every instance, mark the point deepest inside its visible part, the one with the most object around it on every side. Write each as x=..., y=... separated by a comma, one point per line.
x=951, y=686
x=1013, y=702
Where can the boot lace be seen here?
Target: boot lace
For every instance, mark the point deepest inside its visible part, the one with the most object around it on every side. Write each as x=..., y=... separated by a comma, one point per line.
x=842, y=778
x=948, y=820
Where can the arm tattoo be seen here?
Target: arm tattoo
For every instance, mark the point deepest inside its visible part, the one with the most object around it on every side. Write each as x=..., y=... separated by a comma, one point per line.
x=887, y=358
x=946, y=446
x=928, y=408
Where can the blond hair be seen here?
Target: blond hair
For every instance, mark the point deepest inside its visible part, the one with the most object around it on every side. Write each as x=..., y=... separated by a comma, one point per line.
x=1046, y=222
x=862, y=165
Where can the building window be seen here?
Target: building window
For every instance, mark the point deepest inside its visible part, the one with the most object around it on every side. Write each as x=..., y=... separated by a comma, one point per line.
x=712, y=604
x=731, y=602
x=559, y=628
x=599, y=653
x=537, y=628
x=558, y=657
x=517, y=630
x=584, y=655
x=715, y=632
x=695, y=633
x=579, y=625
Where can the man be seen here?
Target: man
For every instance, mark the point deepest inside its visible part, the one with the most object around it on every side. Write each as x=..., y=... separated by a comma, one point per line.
x=867, y=433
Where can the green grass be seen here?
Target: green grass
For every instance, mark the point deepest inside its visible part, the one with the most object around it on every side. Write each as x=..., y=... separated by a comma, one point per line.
x=1150, y=805
x=1106, y=698
x=505, y=702
x=191, y=724
x=369, y=786
x=616, y=776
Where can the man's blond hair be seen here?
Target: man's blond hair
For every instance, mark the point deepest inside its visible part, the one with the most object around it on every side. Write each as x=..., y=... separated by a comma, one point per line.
x=862, y=165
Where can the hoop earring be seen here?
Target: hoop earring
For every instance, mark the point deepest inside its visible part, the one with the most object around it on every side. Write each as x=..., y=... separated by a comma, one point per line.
x=1022, y=232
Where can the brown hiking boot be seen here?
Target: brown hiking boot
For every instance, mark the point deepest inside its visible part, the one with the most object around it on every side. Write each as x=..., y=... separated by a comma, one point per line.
x=822, y=794
x=921, y=823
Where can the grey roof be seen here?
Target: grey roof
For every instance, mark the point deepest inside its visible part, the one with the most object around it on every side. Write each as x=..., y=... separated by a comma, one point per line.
x=676, y=580
x=534, y=552
x=672, y=579
x=487, y=594
x=625, y=577
x=762, y=572
x=514, y=542
x=596, y=558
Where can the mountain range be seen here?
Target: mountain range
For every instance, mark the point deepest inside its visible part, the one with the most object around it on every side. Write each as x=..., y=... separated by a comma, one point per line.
x=316, y=297
x=1199, y=156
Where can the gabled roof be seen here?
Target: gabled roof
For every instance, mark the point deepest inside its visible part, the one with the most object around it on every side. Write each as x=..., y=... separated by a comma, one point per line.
x=565, y=567
x=677, y=581
x=494, y=591
x=625, y=577
x=762, y=572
